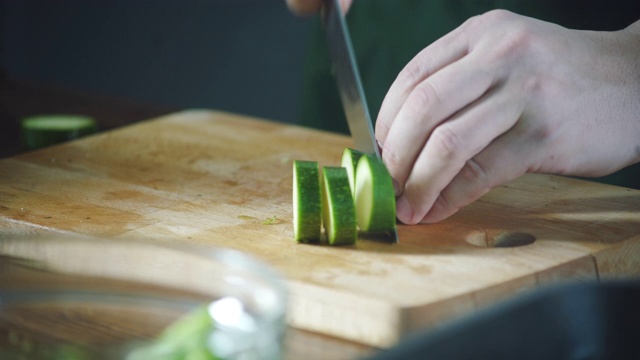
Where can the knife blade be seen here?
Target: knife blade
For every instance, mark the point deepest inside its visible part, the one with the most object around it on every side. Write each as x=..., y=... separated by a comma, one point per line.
x=348, y=79
x=350, y=87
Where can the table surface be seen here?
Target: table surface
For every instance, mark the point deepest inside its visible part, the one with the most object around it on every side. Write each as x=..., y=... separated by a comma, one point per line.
x=213, y=178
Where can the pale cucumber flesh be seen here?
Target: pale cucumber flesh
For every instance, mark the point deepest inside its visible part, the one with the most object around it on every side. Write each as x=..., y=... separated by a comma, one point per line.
x=375, y=196
x=58, y=122
x=350, y=159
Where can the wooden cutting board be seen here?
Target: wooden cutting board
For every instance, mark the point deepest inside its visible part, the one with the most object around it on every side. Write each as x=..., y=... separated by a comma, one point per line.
x=213, y=178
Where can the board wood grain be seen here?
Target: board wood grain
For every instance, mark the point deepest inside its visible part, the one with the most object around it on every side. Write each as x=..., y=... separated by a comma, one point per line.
x=213, y=178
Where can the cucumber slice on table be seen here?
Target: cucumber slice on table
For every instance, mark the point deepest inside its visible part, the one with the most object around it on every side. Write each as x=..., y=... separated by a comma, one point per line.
x=45, y=130
x=375, y=197
x=350, y=159
x=307, y=208
x=339, y=215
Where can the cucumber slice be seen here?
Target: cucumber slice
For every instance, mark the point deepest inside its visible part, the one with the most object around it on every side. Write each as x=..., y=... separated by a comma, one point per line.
x=350, y=159
x=307, y=208
x=45, y=130
x=339, y=215
x=375, y=197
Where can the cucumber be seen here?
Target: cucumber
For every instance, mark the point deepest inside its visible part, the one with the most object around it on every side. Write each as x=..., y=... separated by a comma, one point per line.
x=350, y=159
x=375, y=198
x=307, y=208
x=45, y=130
x=339, y=215
x=187, y=338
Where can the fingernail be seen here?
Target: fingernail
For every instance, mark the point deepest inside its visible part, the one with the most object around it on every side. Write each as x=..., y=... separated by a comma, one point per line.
x=403, y=210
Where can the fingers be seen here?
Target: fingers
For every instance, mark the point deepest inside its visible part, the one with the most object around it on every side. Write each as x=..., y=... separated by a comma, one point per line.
x=310, y=7
x=430, y=103
x=500, y=163
x=444, y=177
x=446, y=50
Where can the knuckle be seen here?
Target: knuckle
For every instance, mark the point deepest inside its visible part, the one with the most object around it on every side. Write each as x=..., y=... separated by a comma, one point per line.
x=427, y=93
x=498, y=15
x=474, y=181
x=522, y=42
x=473, y=22
x=422, y=97
x=490, y=17
x=447, y=142
x=515, y=39
x=414, y=71
x=473, y=172
x=520, y=38
x=444, y=201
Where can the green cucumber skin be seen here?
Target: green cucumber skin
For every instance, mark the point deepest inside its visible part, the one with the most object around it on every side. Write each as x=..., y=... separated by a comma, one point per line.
x=383, y=213
x=339, y=213
x=308, y=219
x=35, y=138
x=41, y=131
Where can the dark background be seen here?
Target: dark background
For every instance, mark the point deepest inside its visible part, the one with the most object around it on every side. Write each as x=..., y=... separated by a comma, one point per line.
x=124, y=60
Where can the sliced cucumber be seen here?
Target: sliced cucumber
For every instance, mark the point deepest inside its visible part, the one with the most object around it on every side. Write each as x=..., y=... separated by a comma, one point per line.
x=307, y=208
x=45, y=130
x=339, y=215
x=375, y=197
x=350, y=159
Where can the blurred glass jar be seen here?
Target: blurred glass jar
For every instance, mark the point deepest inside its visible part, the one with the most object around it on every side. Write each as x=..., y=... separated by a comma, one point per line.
x=87, y=298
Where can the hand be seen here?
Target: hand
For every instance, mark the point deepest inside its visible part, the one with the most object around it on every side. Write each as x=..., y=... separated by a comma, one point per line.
x=309, y=7
x=503, y=95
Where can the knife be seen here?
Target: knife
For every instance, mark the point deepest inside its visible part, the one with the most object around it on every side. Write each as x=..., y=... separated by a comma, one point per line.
x=349, y=84
x=348, y=78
